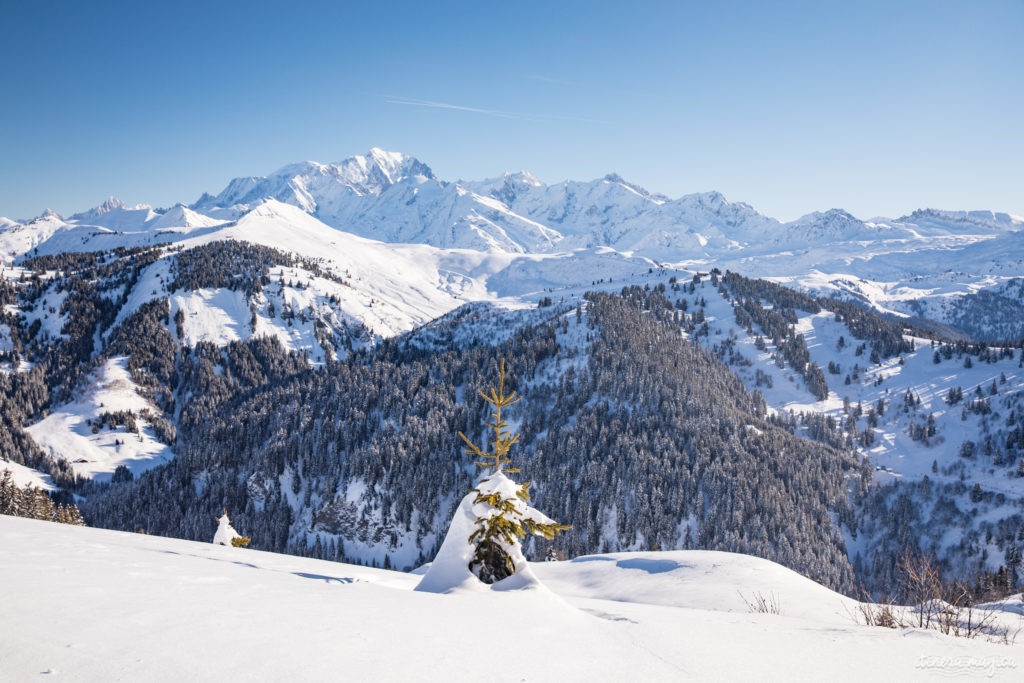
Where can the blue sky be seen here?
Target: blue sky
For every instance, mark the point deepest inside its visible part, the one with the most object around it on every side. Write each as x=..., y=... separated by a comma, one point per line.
x=878, y=108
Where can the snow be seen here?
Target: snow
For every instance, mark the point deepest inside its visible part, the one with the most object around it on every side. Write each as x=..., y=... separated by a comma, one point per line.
x=26, y=476
x=925, y=261
x=449, y=572
x=225, y=532
x=163, y=609
x=212, y=315
x=64, y=433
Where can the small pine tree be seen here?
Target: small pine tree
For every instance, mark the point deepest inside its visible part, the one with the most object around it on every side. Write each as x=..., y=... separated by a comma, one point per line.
x=507, y=516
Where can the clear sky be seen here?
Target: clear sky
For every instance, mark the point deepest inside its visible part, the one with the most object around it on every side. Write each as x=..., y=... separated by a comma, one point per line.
x=878, y=108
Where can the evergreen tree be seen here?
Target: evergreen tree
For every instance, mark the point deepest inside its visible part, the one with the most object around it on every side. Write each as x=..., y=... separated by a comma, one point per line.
x=483, y=542
x=506, y=517
x=34, y=503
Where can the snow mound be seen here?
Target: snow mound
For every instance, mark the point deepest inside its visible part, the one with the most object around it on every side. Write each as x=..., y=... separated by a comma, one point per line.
x=449, y=572
x=694, y=579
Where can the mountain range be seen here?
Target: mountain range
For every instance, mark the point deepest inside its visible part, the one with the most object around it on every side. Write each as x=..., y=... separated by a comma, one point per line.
x=928, y=264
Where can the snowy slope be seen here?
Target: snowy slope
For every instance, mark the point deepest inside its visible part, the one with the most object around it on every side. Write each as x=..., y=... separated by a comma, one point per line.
x=993, y=393
x=201, y=612
x=67, y=433
x=392, y=287
x=16, y=238
x=26, y=476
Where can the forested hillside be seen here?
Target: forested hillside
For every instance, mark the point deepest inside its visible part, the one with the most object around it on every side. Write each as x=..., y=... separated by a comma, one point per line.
x=671, y=410
x=635, y=436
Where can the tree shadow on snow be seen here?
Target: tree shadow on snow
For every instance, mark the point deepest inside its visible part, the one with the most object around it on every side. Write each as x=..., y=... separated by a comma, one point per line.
x=651, y=566
x=648, y=565
x=323, y=577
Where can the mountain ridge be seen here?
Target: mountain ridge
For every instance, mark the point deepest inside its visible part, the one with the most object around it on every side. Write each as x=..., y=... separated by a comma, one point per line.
x=395, y=198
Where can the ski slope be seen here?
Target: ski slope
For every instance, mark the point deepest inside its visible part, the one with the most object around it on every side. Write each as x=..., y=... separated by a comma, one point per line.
x=96, y=605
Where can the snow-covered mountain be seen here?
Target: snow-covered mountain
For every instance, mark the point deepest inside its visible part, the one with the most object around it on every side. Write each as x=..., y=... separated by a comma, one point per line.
x=393, y=198
x=396, y=198
x=930, y=261
x=116, y=215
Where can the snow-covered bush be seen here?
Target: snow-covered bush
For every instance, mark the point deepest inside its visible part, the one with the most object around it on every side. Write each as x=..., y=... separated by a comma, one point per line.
x=226, y=534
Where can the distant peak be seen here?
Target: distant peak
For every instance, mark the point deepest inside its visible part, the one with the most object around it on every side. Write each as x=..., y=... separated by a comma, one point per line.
x=712, y=197
x=299, y=168
x=836, y=213
x=619, y=180
x=827, y=217
x=988, y=219
x=396, y=165
x=524, y=177
x=50, y=213
x=110, y=204
x=393, y=158
x=713, y=200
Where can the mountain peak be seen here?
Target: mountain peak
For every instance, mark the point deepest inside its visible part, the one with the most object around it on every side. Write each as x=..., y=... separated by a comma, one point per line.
x=829, y=216
x=985, y=219
x=299, y=168
x=619, y=180
x=111, y=204
x=385, y=158
x=316, y=186
x=524, y=177
x=368, y=173
x=713, y=201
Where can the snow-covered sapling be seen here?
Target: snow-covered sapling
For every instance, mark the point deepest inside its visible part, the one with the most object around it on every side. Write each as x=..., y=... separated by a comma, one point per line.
x=226, y=534
x=484, y=538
